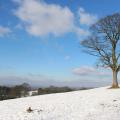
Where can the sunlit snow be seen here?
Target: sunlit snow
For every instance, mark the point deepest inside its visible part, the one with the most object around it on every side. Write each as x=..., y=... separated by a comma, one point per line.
x=94, y=104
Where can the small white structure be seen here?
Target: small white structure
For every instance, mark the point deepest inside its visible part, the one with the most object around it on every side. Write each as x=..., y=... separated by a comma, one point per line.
x=32, y=93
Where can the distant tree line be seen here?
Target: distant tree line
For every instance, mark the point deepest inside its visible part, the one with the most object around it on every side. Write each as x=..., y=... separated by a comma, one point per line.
x=14, y=92
x=25, y=90
x=53, y=89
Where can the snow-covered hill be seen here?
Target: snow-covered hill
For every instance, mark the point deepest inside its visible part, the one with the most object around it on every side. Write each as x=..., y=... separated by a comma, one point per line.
x=94, y=104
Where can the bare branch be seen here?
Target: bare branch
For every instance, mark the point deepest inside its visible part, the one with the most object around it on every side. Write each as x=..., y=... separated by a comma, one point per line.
x=103, y=41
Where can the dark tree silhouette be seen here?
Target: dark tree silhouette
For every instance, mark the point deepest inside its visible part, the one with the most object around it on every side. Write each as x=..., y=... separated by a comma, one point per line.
x=104, y=42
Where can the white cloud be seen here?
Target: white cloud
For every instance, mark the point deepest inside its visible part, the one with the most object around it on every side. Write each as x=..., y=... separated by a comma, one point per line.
x=41, y=18
x=4, y=31
x=90, y=71
x=17, y=1
x=86, y=18
x=19, y=26
x=67, y=57
x=82, y=32
x=44, y=81
x=84, y=70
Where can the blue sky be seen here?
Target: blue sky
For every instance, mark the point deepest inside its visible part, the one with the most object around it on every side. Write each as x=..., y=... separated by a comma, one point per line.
x=40, y=41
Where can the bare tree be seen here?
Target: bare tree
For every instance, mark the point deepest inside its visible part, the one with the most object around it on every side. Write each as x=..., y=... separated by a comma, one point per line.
x=104, y=42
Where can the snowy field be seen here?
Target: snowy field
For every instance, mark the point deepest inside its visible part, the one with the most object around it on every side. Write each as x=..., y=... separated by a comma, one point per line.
x=94, y=104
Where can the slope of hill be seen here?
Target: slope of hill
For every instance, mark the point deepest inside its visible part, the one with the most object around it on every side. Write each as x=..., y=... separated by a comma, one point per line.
x=94, y=104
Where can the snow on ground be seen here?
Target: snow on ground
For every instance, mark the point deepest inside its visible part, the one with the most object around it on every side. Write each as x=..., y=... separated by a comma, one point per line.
x=94, y=104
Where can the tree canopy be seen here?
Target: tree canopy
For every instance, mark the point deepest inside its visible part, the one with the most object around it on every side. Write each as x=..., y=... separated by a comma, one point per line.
x=104, y=42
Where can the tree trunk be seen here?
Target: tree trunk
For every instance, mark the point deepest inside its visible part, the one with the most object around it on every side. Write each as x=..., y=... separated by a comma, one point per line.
x=115, y=81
